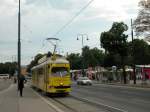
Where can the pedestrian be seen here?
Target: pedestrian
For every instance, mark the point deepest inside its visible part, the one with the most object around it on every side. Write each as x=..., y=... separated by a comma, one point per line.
x=21, y=84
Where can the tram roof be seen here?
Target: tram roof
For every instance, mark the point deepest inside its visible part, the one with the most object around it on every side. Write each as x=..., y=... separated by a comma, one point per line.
x=58, y=60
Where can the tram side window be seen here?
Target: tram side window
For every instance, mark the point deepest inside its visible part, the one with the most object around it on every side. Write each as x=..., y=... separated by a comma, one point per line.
x=59, y=71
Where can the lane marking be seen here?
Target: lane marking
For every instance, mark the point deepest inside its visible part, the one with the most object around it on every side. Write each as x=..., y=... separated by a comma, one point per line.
x=98, y=103
x=49, y=103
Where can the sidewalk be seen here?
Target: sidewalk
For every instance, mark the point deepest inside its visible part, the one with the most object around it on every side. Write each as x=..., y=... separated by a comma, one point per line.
x=4, y=84
x=10, y=101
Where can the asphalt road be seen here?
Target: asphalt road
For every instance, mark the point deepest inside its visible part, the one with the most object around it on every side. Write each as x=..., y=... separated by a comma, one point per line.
x=120, y=98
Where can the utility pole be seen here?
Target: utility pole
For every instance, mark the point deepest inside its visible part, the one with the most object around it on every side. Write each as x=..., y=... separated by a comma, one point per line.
x=19, y=43
x=82, y=36
x=133, y=55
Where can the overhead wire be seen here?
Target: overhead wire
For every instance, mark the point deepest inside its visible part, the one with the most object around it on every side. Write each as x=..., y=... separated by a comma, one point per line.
x=72, y=19
x=69, y=22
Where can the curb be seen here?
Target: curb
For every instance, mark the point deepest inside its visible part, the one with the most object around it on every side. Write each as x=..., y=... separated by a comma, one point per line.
x=125, y=85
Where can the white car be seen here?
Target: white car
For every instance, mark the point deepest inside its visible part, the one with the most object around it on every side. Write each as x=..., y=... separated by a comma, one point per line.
x=84, y=81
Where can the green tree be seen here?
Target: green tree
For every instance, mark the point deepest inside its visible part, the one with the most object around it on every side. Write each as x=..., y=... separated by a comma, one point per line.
x=92, y=57
x=8, y=68
x=89, y=58
x=98, y=56
x=141, y=51
x=114, y=41
x=111, y=60
x=34, y=62
x=75, y=61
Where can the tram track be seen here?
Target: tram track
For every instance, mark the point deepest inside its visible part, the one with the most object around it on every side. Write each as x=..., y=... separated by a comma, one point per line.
x=73, y=103
x=66, y=106
x=74, y=107
x=100, y=105
x=54, y=101
x=105, y=108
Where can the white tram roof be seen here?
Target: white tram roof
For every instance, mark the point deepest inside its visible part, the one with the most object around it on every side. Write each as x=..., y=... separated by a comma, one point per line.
x=61, y=60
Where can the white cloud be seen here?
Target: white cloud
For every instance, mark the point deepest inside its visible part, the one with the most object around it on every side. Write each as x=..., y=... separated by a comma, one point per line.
x=113, y=10
x=42, y=18
x=8, y=7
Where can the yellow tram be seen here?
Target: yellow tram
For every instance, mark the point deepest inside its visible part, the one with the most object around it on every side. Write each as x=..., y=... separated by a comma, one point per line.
x=52, y=75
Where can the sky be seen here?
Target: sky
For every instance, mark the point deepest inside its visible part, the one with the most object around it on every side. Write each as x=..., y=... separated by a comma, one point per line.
x=41, y=19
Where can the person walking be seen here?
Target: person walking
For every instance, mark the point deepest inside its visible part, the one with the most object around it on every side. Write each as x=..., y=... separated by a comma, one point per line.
x=21, y=84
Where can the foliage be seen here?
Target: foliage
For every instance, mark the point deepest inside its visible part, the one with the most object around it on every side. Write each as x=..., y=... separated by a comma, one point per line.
x=34, y=62
x=8, y=68
x=90, y=57
x=141, y=52
x=114, y=41
x=111, y=60
x=142, y=22
x=75, y=61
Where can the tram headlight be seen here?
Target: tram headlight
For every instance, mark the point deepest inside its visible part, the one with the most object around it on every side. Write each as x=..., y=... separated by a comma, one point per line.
x=61, y=84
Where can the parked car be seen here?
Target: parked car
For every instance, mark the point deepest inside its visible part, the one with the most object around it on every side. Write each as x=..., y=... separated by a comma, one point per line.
x=84, y=81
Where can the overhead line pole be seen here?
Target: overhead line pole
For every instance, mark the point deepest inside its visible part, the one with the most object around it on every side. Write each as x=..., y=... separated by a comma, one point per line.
x=19, y=43
x=133, y=55
x=82, y=36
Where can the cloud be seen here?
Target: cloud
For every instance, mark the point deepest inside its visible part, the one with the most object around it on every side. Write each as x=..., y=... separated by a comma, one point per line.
x=112, y=10
x=99, y=8
x=8, y=7
x=42, y=18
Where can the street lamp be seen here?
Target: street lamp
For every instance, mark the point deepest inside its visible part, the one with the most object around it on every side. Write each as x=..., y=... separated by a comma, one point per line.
x=83, y=36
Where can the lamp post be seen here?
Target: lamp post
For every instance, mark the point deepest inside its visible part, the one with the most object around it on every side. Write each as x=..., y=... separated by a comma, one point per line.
x=19, y=43
x=133, y=49
x=82, y=37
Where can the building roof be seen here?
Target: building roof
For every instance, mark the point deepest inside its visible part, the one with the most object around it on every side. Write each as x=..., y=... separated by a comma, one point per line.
x=143, y=66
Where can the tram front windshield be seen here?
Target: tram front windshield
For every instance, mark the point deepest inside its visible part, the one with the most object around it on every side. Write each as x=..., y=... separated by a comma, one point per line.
x=59, y=71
